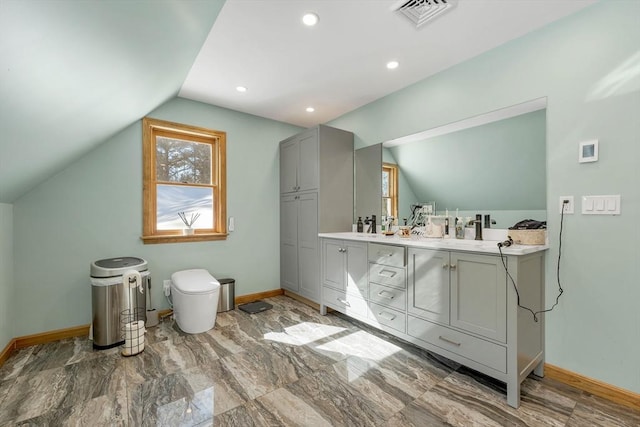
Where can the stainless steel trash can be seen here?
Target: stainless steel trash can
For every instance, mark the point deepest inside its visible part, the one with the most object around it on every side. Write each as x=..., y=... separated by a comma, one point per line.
x=227, y=297
x=109, y=299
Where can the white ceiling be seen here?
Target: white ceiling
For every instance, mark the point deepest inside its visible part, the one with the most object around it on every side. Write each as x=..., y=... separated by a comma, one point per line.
x=73, y=73
x=339, y=65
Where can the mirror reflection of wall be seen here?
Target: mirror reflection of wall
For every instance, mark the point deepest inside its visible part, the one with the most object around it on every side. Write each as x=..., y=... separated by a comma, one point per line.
x=368, y=182
x=498, y=168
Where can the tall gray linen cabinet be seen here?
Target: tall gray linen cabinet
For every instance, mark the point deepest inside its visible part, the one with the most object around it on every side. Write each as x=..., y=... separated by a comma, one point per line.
x=316, y=196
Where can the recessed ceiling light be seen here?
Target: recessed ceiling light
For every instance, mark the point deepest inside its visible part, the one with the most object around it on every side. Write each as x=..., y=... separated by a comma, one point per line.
x=241, y=88
x=392, y=65
x=310, y=19
x=310, y=109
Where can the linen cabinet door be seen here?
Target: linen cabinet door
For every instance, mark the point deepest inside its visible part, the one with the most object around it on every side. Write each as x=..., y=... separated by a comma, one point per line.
x=333, y=264
x=308, y=166
x=289, y=155
x=308, y=251
x=429, y=284
x=289, y=243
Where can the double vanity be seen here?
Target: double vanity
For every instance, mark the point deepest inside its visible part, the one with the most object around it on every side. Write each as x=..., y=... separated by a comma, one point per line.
x=452, y=297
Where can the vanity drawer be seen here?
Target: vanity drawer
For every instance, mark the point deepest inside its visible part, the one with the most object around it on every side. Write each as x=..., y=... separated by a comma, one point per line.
x=345, y=303
x=387, y=254
x=476, y=349
x=391, y=297
x=387, y=317
x=386, y=275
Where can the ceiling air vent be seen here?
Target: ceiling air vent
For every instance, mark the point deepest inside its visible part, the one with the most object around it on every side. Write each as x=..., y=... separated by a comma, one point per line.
x=421, y=11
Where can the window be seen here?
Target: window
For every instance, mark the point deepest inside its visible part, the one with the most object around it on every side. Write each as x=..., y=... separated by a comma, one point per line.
x=184, y=175
x=390, y=190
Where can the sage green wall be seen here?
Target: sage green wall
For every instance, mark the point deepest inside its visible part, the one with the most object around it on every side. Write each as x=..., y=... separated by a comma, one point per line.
x=588, y=65
x=6, y=274
x=93, y=210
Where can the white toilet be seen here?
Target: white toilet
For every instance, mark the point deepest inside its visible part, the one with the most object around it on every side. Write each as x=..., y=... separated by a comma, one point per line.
x=195, y=296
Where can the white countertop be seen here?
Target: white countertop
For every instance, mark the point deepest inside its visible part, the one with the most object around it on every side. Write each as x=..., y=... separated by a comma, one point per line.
x=480, y=246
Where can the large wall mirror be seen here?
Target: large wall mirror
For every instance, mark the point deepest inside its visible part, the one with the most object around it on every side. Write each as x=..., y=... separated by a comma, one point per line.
x=490, y=164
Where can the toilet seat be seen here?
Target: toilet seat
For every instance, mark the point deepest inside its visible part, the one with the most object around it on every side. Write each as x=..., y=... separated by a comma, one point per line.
x=194, y=282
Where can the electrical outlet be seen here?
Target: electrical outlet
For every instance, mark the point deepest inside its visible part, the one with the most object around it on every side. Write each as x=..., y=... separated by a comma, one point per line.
x=166, y=287
x=568, y=207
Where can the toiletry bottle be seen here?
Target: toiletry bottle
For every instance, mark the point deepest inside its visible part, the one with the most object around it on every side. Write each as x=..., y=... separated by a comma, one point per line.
x=360, y=226
x=374, y=226
x=459, y=228
x=429, y=227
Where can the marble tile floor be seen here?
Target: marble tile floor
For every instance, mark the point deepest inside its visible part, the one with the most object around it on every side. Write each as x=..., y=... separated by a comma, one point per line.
x=288, y=366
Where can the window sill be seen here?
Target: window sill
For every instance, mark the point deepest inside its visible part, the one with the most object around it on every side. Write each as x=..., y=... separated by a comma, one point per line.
x=200, y=237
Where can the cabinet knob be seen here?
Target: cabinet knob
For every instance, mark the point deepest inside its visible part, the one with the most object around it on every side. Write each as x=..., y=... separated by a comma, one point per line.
x=452, y=266
x=445, y=265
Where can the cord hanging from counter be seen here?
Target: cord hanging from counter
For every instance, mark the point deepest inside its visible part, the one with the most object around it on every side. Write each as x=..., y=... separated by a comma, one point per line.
x=515, y=287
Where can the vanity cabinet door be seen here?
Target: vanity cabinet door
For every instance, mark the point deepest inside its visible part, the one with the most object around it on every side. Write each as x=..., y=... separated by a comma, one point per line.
x=429, y=284
x=478, y=295
x=344, y=266
x=356, y=260
x=333, y=264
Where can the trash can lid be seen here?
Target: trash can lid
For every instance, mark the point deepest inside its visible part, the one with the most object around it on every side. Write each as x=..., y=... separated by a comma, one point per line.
x=117, y=266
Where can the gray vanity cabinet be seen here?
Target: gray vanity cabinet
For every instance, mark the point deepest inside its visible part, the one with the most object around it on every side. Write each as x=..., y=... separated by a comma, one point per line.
x=456, y=303
x=316, y=195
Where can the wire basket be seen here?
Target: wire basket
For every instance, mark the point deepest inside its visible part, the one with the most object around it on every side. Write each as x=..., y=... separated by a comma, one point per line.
x=132, y=319
x=132, y=331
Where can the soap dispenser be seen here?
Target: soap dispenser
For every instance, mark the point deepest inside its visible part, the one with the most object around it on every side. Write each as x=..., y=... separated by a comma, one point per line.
x=359, y=225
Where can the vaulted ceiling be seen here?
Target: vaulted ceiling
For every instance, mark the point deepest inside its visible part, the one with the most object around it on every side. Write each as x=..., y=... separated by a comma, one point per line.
x=73, y=73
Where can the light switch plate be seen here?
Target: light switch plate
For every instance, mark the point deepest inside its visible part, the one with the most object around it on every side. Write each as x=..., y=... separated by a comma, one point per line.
x=601, y=205
x=568, y=207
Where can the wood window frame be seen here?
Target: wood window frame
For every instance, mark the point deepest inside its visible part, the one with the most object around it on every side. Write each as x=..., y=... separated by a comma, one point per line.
x=392, y=170
x=152, y=128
